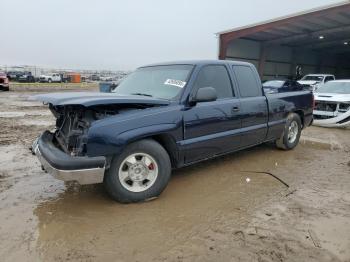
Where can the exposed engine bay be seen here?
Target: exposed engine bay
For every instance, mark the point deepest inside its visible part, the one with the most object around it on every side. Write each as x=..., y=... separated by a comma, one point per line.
x=74, y=121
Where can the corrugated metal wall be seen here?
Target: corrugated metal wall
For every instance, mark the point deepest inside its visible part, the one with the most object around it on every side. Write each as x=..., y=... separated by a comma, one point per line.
x=280, y=61
x=244, y=50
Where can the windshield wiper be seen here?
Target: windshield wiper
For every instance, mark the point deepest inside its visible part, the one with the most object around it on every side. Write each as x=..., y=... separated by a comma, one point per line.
x=141, y=94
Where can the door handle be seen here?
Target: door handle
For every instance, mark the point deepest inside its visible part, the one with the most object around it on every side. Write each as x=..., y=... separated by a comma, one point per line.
x=235, y=109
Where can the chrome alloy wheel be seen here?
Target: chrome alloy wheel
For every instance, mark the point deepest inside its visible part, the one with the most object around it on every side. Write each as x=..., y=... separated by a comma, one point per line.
x=138, y=172
x=293, y=131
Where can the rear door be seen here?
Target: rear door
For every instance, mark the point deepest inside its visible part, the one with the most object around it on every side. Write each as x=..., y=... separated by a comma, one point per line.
x=212, y=128
x=254, y=108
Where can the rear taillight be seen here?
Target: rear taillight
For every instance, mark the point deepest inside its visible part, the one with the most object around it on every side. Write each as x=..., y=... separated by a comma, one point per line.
x=6, y=80
x=313, y=102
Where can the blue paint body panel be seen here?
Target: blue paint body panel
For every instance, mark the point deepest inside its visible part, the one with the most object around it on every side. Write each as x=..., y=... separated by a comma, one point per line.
x=192, y=132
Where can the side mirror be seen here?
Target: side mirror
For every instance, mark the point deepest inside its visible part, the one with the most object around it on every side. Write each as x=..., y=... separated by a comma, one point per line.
x=204, y=94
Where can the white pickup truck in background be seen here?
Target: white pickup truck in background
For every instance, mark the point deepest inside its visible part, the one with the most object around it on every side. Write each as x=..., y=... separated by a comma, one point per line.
x=314, y=81
x=50, y=78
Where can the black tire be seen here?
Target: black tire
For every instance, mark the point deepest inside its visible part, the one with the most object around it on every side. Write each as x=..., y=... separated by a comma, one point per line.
x=284, y=142
x=121, y=194
x=49, y=80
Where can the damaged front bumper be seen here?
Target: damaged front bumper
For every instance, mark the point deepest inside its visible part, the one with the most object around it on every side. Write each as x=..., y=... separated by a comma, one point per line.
x=340, y=120
x=84, y=170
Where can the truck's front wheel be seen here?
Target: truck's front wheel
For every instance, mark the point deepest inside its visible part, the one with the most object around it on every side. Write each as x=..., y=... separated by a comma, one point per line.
x=291, y=134
x=141, y=172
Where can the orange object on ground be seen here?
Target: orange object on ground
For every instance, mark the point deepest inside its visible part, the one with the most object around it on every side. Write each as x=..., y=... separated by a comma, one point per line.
x=74, y=77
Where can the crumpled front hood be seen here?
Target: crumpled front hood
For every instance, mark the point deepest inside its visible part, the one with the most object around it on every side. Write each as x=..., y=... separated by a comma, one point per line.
x=332, y=97
x=95, y=98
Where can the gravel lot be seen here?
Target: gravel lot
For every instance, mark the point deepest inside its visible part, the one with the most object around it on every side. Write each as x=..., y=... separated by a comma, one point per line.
x=227, y=209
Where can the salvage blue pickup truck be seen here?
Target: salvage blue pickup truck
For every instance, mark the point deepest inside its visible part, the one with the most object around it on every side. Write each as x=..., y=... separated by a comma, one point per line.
x=162, y=117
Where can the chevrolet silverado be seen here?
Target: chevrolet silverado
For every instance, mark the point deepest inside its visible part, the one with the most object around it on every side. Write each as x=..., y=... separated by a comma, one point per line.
x=163, y=117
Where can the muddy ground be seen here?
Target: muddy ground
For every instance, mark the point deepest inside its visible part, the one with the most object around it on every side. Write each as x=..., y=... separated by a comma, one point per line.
x=220, y=210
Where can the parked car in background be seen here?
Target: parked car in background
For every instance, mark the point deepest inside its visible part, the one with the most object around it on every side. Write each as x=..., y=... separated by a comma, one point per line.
x=4, y=82
x=162, y=117
x=332, y=104
x=11, y=75
x=65, y=78
x=95, y=78
x=106, y=78
x=314, y=81
x=14, y=75
x=26, y=77
x=50, y=78
x=281, y=85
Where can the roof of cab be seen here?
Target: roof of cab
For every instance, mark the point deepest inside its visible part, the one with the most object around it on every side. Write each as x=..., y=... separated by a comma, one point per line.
x=199, y=62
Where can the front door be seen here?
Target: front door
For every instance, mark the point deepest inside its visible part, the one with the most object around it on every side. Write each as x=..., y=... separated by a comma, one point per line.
x=212, y=128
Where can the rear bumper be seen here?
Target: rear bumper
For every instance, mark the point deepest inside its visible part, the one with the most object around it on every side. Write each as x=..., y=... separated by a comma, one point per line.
x=84, y=170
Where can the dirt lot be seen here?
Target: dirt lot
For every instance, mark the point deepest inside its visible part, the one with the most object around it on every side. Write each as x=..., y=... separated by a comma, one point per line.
x=221, y=210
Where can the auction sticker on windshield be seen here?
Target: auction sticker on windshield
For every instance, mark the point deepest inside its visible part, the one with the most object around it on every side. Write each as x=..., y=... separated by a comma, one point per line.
x=173, y=82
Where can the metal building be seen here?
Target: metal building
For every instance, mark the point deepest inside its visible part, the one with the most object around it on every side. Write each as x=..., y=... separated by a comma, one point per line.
x=317, y=40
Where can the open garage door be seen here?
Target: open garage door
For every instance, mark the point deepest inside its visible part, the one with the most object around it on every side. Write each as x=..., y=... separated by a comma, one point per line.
x=316, y=41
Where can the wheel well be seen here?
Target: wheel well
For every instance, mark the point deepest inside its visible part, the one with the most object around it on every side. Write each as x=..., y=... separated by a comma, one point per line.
x=301, y=115
x=169, y=145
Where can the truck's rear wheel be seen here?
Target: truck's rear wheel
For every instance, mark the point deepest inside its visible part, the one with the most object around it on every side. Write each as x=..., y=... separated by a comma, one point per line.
x=141, y=172
x=291, y=134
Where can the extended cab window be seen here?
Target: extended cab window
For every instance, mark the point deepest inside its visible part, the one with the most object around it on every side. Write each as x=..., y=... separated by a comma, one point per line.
x=215, y=76
x=247, y=83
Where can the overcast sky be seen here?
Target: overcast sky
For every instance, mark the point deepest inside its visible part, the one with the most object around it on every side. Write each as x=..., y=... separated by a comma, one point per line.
x=115, y=34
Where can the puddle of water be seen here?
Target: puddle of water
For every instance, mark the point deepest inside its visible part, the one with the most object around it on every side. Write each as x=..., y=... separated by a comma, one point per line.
x=86, y=223
x=83, y=223
x=22, y=183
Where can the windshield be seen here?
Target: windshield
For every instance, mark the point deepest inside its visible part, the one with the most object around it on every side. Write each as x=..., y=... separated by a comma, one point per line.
x=165, y=82
x=274, y=83
x=312, y=78
x=335, y=87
